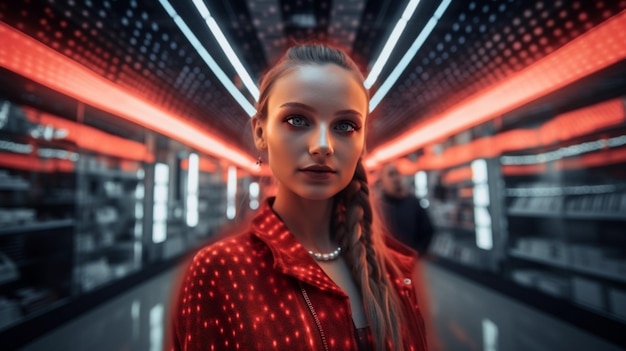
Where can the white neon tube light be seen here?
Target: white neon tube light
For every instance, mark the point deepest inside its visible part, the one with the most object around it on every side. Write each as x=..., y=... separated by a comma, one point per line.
x=208, y=59
x=482, y=218
x=228, y=50
x=159, y=210
x=254, y=191
x=231, y=192
x=408, y=56
x=192, y=190
x=391, y=43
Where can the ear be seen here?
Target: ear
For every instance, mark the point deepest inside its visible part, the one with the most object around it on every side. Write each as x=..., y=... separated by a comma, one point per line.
x=258, y=132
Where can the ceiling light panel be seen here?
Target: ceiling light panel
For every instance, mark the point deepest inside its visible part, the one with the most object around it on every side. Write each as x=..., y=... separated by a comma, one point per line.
x=345, y=19
x=266, y=17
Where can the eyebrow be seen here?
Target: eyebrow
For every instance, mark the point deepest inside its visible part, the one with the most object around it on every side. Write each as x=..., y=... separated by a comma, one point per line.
x=311, y=109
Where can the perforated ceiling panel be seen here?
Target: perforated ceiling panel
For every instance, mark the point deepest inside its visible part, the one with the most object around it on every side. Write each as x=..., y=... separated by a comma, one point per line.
x=477, y=44
x=136, y=45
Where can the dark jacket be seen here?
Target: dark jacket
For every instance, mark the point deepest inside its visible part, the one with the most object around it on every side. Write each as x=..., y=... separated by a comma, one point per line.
x=250, y=291
x=408, y=221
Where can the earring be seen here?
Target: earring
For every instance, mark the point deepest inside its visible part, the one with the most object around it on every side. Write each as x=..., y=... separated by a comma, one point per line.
x=259, y=161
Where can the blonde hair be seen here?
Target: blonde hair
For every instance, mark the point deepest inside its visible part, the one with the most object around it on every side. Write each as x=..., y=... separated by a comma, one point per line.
x=353, y=222
x=357, y=229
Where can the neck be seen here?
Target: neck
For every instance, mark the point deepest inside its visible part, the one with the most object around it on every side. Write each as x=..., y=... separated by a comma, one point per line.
x=308, y=220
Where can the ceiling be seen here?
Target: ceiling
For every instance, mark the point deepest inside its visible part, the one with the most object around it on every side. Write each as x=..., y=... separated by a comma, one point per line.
x=138, y=46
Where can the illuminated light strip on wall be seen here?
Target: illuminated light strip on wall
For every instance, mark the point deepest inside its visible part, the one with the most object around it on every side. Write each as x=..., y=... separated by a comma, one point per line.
x=22, y=54
x=30, y=163
x=563, y=152
x=228, y=50
x=391, y=43
x=91, y=138
x=578, y=123
x=408, y=56
x=480, y=193
x=566, y=126
x=193, y=173
x=231, y=193
x=208, y=59
x=160, y=200
x=599, y=48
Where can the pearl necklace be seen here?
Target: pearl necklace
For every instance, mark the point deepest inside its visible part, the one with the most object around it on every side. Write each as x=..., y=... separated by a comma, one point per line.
x=326, y=256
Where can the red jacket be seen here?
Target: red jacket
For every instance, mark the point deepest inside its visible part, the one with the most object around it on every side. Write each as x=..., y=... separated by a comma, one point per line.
x=250, y=291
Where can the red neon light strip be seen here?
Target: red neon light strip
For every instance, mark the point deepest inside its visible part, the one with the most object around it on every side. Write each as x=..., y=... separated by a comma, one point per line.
x=34, y=163
x=594, y=159
x=26, y=56
x=458, y=175
x=93, y=139
x=519, y=170
x=599, y=48
x=582, y=121
x=563, y=127
x=204, y=165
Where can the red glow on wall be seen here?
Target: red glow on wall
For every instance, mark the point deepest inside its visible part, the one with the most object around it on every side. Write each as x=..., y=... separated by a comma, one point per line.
x=583, y=121
x=457, y=175
x=34, y=163
x=93, y=139
x=204, y=165
x=594, y=159
x=594, y=50
x=517, y=170
x=563, y=127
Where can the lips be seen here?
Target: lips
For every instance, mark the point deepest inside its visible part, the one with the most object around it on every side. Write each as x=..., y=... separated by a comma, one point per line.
x=318, y=169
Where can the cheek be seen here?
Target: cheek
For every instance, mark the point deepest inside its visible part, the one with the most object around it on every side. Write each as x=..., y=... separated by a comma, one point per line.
x=280, y=152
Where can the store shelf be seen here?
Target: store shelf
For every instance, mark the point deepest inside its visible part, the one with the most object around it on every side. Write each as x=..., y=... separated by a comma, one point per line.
x=31, y=227
x=538, y=259
x=533, y=213
x=580, y=269
x=14, y=186
x=108, y=173
x=596, y=216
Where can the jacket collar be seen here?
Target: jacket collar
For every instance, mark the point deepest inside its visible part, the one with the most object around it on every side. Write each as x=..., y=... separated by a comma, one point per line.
x=290, y=257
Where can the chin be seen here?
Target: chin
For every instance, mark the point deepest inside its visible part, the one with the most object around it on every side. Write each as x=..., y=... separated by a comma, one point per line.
x=317, y=194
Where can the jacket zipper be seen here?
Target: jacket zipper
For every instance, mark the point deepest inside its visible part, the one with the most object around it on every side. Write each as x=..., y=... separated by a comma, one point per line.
x=317, y=320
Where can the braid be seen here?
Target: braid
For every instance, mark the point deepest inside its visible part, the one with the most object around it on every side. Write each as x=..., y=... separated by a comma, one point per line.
x=353, y=229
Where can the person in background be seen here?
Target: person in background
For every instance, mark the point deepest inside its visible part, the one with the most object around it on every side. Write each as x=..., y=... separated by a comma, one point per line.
x=313, y=271
x=405, y=217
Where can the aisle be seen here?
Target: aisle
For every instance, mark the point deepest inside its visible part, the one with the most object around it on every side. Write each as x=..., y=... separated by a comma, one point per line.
x=465, y=316
x=135, y=320
x=461, y=316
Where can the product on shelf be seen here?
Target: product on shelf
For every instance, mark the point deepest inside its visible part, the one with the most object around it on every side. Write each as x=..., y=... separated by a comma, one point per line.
x=617, y=302
x=588, y=293
x=8, y=269
x=9, y=311
x=16, y=216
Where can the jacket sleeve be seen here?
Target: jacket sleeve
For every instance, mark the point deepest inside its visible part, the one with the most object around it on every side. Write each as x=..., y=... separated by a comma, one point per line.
x=199, y=316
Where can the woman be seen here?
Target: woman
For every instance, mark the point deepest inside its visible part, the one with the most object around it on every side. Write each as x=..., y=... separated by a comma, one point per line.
x=312, y=272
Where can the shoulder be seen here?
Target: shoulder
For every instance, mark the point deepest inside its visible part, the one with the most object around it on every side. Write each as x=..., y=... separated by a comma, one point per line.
x=229, y=252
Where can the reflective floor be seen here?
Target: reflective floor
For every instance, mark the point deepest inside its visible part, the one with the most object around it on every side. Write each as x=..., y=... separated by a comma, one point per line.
x=461, y=314
x=466, y=316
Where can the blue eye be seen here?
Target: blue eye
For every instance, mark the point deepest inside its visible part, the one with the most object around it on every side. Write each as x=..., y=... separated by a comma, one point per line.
x=347, y=127
x=296, y=121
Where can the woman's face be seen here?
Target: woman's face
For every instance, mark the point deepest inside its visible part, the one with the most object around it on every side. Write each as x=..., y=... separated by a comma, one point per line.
x=314, y=131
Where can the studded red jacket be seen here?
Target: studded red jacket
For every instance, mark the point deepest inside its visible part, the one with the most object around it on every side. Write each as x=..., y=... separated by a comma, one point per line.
x=261, y=290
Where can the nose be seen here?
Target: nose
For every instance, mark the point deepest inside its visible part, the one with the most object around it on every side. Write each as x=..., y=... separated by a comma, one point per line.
x=321, y=142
